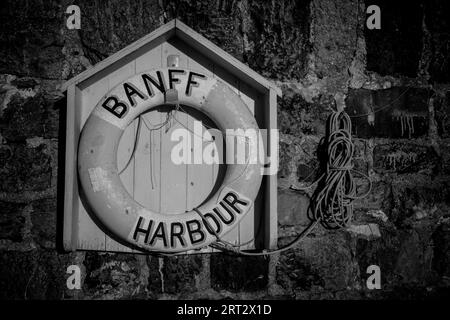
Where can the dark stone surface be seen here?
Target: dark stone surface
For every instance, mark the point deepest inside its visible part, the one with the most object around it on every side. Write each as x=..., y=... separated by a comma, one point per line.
x=400, y=112
x=403, y=257
x=271, y=39
x=278, y=37
x=29, y=117
x=30, y=38
x=441, y=254
x=382, y=252
x=93, y=261
x=325, y=262
x=154, y=278
x=437, y=23
x=396, y=48
x=34, y=275
x=380, y=197
x=287, y=152
x=444, y=159
x=361, y=157
x=418, y=197
x=24, y=168
x=334, y=32
x=404, y=158
x=297, y=116
x=24, y=83
x=108, y=26
x=180, y=273
x=292, y=208
x=442, y=111
x=43, y=219
x=111, y=275
x=236, y=273
x=298, y=159
x=11, y=221
x=308, y=171
x=415, y=257
x=294, y=271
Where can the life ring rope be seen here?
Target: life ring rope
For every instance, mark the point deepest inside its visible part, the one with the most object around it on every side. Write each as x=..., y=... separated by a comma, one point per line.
x=161, y=125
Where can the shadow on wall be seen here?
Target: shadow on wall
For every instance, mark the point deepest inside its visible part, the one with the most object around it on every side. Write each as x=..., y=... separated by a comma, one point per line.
x=62, y=106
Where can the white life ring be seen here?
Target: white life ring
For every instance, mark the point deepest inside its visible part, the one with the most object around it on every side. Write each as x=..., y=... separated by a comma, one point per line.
x=108, y=199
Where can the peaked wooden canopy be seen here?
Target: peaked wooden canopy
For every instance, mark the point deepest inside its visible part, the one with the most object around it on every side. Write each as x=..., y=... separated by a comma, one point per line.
x=173, y=40
x=175, y=28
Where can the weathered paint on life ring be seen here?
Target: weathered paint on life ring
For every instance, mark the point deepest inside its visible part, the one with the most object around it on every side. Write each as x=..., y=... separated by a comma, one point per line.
x=107, y=197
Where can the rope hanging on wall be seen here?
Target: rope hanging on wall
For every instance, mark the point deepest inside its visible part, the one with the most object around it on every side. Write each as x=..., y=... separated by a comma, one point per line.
x=332, y=201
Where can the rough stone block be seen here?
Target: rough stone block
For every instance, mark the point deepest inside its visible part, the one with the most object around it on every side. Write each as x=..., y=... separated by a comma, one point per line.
x=33, y=275
x=437, y=24
x=382, y=252
x=29, y=117
x=292, y=208
x=30, y=39
x=368, y=231
x=323, y=262
x=398, y=112
x=24, y=83
x=361, y=162
x=43, y=219
x=378, y=199
x=11, y=221
x=442, y=114
x=276, y=38
x=24, y=169
x=306, y=172
x=441, y=254
x=298, y=163
x=414, y=261
x=271, y=39
x=297, y=116
x=415, y=197
x=180, y=273
x=285, y=161
x=404, y=257
x=111, y=276
x=236, y=273
x=445, y=157
x=334, y=30
x=404, y=158
x=102, y=37
x=127, y=276
x=415, y=258
x=155, y=282
x=395, y=49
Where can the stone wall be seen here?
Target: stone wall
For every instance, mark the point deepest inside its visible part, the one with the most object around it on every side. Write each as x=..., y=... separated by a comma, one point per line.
x=321, y=55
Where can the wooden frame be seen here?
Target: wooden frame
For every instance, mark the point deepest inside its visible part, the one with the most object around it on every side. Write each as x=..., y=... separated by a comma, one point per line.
x=180, y=36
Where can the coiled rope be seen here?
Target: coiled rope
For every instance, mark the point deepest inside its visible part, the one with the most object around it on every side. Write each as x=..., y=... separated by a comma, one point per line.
x=332, y=201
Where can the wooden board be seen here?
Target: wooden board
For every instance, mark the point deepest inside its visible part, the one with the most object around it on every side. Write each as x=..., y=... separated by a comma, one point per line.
x=151, y=177
x=90, y=236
